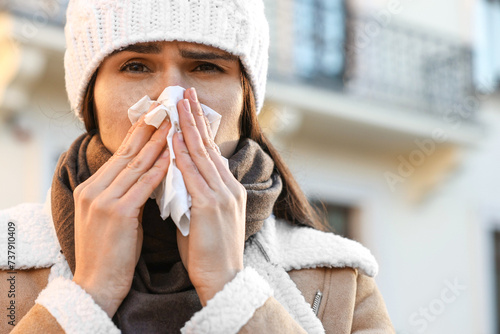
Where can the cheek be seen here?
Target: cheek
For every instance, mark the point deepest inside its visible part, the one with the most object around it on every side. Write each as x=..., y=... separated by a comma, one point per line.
x=229, y=104
x=112, y=103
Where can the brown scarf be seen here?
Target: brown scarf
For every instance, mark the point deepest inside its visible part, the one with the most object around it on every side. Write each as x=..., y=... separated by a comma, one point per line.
x=162, y=297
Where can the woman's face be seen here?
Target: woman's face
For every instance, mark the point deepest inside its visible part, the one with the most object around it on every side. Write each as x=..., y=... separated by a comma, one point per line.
x=126, y=76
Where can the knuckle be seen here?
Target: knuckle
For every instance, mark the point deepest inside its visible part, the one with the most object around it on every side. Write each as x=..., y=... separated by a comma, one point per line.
x=157, y=142
x=202, y=152
x=135, y=164
x=100, y=206
x=78, y=190
x=149, y=178
x=121, y=209
x=144, y=179
x=241, y=193
x=208, y=143
x=85, y=195
x=194, y=170
x=124, y=151
x=184, y=150
x=226, y=198
x=207, y=124
x=211, y=202
x=226, y=195
x=190, y=122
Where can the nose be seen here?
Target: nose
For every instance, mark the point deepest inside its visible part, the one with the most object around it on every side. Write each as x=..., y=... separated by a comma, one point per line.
x=171, y=76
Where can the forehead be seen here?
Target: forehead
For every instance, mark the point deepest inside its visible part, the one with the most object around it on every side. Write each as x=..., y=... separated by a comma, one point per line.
x=185, y=49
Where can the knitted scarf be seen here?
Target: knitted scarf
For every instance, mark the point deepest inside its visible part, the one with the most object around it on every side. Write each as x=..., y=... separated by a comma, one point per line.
x=162, y=297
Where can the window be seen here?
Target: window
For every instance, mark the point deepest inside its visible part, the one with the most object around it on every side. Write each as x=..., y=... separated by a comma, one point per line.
x=487, y=39
x=307, y=40
x=340, y=218
x=319, y=38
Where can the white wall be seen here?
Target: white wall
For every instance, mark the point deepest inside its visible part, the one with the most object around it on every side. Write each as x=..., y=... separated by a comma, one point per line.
x=448, y=17
x=420, y=247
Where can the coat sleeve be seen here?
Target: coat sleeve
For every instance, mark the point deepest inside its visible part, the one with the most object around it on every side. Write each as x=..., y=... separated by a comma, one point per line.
x=20, y=289
x=38, y=320
x=64, y=307
x=370, y=313
x=245, y=305
x=272, y=318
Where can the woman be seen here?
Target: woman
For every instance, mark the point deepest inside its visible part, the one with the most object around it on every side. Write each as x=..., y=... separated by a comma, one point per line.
x=110, y=263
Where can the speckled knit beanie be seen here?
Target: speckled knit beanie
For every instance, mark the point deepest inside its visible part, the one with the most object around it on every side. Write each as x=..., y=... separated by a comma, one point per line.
x=96, y=28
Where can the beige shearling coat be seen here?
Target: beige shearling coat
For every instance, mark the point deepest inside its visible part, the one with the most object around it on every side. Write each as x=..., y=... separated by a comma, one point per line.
x=286, y=270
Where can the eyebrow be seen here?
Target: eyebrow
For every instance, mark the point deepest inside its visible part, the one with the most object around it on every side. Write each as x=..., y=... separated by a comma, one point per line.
x=155, y=48
x=206, y=55
x=151, y=48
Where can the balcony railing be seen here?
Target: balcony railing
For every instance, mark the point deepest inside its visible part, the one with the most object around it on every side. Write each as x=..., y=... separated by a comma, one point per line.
x=318, y=42
x=410, y=68
x=38, y=12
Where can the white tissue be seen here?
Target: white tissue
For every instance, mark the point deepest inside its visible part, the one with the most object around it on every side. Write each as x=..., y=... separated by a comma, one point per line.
x=171, y=195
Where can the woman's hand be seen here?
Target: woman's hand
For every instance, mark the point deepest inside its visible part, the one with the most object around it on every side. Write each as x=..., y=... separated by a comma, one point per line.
x=213, y=251
x=108, y=212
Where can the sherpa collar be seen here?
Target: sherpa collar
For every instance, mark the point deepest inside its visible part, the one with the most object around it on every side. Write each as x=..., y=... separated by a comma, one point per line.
x=35, y=243
x=295, y=247
x=37, y=246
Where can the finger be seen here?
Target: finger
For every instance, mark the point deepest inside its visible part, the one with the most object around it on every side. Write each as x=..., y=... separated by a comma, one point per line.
x=147, y=183
x=103, y=167
x=195, y=183
x=219, y=161
x=223, y=170
x=195, y=146
x=200, y=119
x=141, y=163
x=137, y=136
x=208, y=140
x=209, y=129
x=202, y=123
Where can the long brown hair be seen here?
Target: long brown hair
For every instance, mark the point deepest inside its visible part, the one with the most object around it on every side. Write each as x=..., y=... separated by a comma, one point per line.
x=292, y=204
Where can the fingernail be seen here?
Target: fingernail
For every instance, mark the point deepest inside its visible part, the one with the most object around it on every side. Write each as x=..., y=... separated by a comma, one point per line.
x=181, y=137
x=187, y=106
x=164, y=124
x=192, y=93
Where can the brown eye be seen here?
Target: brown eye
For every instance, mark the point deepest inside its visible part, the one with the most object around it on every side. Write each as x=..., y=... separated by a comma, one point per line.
x=135, y=67
x=208, y=67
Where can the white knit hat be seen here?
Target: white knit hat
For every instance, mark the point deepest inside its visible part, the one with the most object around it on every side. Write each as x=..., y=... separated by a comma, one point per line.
x=96, y=28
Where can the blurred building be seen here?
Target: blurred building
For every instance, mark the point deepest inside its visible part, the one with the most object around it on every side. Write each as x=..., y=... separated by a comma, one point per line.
x=387, y=112
x=36, y=123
